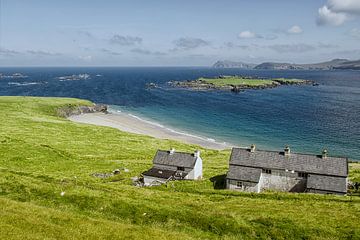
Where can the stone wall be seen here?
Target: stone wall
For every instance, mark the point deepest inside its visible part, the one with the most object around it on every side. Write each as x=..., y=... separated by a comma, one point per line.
x=282, y=181
x=247, y=186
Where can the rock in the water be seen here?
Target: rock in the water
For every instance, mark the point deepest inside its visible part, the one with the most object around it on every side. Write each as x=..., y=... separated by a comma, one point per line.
x=151, y=85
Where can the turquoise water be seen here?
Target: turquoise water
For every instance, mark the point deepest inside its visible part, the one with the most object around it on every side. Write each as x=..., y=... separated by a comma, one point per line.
x=308, y=118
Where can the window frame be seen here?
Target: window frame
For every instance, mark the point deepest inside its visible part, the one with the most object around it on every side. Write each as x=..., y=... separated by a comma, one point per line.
x=181, y=168
x=267, y=171
x=302, y=175
x=239, y=184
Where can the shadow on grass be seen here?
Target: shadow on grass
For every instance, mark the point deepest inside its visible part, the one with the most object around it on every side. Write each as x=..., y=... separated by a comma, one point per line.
x=219, y=181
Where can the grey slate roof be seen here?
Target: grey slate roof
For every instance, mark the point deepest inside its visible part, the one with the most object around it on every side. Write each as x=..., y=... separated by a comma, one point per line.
x=159, y=173
x=333, y=166
x=327, y=183
x=244, y=173
x=178, y=159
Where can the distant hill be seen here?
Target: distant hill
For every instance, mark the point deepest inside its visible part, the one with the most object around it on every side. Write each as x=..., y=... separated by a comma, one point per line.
x=231, y=64
x=353, y=65
x=333, y=64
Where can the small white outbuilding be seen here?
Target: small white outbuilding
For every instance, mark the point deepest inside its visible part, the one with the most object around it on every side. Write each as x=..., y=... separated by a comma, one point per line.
x=172, y=165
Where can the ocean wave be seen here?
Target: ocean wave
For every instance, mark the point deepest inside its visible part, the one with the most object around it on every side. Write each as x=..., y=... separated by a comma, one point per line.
x=25, y=83
x=74, y=77
x=212, y=140
x=13, y=76
x=176, y=131
x=149, y=122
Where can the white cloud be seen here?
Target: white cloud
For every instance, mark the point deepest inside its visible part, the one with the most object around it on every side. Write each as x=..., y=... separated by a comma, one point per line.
x=346, y=6
x=336, y=12
x=43, y=53
x=110, y=52
x=328, y=17
x=86, y=33
x=147, y=52
x=8, y=52
x=248, y=34
x=295, y=30
x=125, y=40
x=355, y=32
x=289, y=48
x=189, y=43
x=86, y=58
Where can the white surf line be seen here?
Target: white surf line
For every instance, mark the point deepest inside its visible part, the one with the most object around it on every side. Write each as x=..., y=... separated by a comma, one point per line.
x=210, y=140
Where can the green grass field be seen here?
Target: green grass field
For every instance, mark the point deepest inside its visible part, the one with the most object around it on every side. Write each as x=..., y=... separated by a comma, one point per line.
x=43, y=155
x=241, y=81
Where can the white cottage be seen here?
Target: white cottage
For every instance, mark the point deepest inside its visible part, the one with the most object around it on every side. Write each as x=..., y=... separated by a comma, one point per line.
x=172, y=165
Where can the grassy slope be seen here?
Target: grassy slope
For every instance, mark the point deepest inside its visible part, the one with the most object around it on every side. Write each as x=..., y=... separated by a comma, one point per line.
x=239, y=81
x=355, y=172
x=42, y=155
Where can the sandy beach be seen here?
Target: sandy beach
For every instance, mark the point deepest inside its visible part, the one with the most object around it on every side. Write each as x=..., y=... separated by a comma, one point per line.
x=133, y=124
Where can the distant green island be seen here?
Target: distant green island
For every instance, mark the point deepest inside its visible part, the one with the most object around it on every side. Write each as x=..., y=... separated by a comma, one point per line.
x=237, y=83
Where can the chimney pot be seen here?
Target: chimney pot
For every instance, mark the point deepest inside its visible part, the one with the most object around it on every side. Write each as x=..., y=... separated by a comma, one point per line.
x=172, y=150
x=324, y=153
x=287, y=150
x=197, y=153
x=252, y=148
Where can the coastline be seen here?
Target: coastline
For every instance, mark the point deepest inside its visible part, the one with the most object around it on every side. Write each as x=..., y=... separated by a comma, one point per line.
x=128, y=122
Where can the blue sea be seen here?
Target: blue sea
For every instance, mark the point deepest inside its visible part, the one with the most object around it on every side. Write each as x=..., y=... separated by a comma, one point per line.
x=307, y=118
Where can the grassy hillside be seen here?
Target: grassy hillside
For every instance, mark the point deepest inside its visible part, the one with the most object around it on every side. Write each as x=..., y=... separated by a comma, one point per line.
x=43, y=155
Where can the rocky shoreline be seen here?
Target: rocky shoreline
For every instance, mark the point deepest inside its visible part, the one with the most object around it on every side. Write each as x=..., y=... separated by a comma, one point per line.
x=71, y=110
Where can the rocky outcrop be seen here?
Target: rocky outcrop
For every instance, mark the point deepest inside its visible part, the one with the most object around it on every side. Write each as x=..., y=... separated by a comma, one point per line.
x=70, y=110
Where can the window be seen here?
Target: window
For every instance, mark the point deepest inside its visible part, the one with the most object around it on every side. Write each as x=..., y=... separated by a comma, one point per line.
x=180, y=168
x=302, y=174
x=267, y=171
x=239, y=184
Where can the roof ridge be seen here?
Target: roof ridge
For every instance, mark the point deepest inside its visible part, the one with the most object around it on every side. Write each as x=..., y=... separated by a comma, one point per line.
x=176, y=152
x=297, y=153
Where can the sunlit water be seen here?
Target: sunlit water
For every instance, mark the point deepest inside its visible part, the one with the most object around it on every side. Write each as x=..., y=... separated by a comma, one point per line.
x=308, y=118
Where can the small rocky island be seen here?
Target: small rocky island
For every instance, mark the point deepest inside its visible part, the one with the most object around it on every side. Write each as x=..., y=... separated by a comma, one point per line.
x=237, y=83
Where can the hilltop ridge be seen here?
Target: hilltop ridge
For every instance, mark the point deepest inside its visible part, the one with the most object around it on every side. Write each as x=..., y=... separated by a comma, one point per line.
x=343, y=64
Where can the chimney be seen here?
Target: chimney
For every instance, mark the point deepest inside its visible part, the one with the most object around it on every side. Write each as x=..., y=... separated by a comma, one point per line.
x=196, y=153
x=287, y=151
x=252, y=148
x=172, y=151
x=324, y=154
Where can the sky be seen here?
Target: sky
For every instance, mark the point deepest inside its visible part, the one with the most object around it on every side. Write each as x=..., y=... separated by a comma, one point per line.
x=176, y=33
